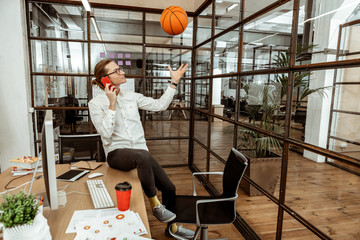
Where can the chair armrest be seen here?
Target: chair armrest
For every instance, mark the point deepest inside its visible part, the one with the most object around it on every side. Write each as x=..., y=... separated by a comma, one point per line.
x=210, y=201
x=199, y=173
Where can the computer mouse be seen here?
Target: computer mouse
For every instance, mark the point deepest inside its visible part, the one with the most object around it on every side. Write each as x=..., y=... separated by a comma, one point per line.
x=94, y=175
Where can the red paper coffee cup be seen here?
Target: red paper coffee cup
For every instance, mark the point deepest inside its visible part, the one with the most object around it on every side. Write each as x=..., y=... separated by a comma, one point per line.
x=123, y=193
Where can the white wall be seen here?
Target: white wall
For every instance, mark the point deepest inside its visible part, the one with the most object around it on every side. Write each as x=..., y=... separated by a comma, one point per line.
x=16, y=124
x=318, y=108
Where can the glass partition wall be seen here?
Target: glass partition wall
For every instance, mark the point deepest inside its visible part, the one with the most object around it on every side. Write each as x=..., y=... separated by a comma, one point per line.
x=280, y=87
x=274, y=79
x=66, y=42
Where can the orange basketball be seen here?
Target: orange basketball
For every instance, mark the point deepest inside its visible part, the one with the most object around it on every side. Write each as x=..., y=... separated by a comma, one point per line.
x=174, y=20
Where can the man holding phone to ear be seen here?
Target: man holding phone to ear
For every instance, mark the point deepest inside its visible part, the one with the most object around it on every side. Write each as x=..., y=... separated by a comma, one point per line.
x=116, y=118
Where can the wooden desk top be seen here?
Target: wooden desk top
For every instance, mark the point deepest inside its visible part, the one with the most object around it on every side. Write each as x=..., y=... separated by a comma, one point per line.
x=58, y=220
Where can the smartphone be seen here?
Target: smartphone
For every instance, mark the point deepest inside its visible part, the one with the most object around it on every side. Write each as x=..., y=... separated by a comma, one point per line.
x=106, y=80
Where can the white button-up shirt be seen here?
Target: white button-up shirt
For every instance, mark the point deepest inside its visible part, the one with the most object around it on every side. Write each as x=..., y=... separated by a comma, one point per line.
x=122, y=128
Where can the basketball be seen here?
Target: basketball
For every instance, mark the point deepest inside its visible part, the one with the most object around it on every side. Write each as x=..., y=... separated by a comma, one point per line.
x=174, y=20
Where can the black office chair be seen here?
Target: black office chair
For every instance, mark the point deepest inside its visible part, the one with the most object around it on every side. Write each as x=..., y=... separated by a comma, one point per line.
x=69, y=117
x=212, y=210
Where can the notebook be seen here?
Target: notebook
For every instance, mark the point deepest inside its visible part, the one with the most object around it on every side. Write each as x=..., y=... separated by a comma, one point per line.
x=88, y=165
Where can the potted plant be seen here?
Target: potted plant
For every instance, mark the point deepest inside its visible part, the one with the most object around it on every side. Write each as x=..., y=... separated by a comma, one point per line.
x=262, y=151
x=301, y=79
x=264, y=110
x=21, y=218
x=301, y=84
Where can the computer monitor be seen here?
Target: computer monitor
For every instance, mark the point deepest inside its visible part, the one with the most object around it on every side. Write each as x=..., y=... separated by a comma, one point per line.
x=48, y=160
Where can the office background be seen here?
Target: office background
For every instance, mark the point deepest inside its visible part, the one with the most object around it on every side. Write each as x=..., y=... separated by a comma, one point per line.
x=328, y=133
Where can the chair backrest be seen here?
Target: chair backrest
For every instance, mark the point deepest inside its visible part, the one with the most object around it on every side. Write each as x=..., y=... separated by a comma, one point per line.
x=233, y=172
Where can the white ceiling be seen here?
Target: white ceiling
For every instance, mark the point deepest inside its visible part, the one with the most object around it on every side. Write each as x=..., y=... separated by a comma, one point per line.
x=187, y=5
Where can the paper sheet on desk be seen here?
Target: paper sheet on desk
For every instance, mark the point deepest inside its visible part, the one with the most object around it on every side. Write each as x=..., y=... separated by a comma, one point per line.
x=130, y=237
x=106, y=224
x=82, y=215
x=122, y=237
x=111, y=227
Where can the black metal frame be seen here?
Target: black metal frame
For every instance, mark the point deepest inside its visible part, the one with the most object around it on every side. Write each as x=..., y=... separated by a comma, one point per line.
x=245, y=229
x=88, y=75
x=240, y=223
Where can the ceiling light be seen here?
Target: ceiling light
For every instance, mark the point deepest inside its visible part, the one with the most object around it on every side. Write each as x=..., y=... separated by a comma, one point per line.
x=219, y=1
x=231, y=7
x=86, y=5
x=97, y=32
x=256, y=42
x=92, y=18
x=327, y=13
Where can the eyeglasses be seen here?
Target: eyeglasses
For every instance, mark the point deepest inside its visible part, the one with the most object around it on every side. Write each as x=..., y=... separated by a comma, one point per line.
x=117, y=71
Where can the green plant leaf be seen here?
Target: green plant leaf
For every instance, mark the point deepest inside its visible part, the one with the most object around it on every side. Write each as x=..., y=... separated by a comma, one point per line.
x=18, y=209
x=265, y=104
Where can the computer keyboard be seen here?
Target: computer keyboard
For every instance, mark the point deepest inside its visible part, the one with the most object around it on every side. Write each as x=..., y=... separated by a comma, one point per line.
x=99, y=194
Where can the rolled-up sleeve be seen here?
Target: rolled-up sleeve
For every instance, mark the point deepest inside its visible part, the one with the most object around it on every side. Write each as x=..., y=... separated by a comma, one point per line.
x=104, y=121
x=161, y=104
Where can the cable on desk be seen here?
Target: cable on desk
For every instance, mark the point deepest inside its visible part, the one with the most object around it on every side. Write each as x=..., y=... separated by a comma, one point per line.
x=87, y=162
x=36, y=178
x=89, y=165
x=58, y=188
x=65, y=187
x=78, y=192
x=25, y=189
x=14, y=188
x=6, y=186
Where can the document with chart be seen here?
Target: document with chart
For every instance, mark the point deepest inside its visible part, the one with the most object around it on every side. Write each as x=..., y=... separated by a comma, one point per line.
x=119, y=225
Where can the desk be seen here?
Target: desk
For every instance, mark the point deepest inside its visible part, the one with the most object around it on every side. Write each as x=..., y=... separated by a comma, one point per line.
x=177, y=103
x=58, y=220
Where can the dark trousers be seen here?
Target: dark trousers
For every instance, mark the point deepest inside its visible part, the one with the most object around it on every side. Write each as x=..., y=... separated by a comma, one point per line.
x=150, y=173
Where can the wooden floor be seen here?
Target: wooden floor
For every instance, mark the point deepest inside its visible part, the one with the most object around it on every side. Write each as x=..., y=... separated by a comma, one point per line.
x=181, y=177
x=324, y=195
